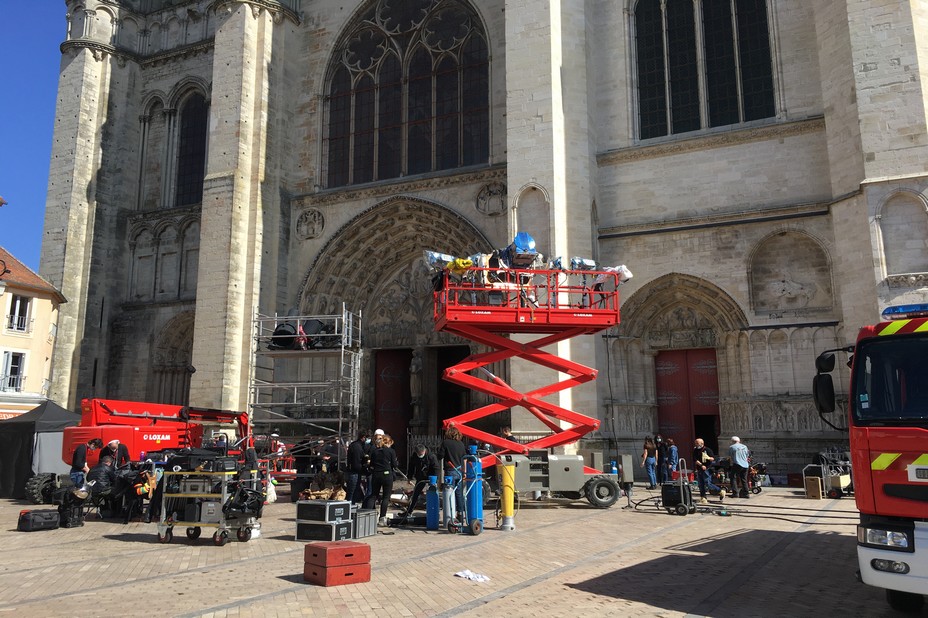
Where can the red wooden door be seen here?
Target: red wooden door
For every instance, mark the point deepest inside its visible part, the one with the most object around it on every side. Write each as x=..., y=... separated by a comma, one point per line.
x=687, y=396
x=392, y=406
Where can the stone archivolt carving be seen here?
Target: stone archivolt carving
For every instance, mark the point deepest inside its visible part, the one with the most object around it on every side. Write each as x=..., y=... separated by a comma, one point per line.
x=707, y=314
x=683, y=327
x=310, y=224
x=491, y=200
x=393, y=288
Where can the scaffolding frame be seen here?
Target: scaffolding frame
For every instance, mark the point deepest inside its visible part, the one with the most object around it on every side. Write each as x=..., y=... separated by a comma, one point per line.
x=307, y=372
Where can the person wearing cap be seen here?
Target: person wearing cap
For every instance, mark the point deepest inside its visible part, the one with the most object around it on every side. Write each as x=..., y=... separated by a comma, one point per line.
x=739, y=468
x=422, y=465
x=378, y=432
x=117, y=450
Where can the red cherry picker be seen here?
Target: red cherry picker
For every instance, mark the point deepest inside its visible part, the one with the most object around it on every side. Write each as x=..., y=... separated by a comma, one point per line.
x=485, y=305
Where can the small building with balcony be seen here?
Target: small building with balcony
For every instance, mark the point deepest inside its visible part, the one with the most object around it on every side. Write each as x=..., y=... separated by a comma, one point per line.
x=28, y=327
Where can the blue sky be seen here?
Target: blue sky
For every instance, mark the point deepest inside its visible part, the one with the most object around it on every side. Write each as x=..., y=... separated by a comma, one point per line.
x=29, y=78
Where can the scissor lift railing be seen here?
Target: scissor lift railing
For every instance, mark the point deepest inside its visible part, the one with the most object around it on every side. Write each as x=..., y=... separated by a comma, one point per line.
x=484, y=305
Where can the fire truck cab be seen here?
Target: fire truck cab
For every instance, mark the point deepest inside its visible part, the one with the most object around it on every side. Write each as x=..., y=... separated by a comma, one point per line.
x=888, y=431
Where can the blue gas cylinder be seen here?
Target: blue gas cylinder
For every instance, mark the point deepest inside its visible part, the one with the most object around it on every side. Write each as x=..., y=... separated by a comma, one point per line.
x=473, y=491
x=615, y=469
x=431, y=504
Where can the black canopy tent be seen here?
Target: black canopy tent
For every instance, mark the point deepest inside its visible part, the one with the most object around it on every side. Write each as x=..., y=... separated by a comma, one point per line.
x=31, y=443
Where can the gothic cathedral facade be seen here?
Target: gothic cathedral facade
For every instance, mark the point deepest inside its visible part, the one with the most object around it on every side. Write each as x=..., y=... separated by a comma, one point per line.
x=759, y=165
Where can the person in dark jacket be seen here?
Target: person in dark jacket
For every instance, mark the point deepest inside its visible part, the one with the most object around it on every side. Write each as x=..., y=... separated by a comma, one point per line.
x=663, y=457
x=79, y=467
x=383, y=465
x=703, y=459
x=422, y=465
x=451, y=452
x=102, y=475
x=118, y=451
x=358, y=463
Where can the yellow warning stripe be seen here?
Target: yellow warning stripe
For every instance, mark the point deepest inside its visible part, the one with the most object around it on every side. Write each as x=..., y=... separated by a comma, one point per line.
x=921, y=461
x=893, y=327
x=884, y=461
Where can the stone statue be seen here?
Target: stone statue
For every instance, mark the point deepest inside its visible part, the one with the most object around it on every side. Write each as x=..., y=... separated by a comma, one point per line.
x=415, y=376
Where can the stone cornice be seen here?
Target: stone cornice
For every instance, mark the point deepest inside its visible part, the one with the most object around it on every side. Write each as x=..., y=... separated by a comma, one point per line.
x=100, y=49
x=275, y=8
x=798, y=211
x=907, y=281
x=712, y=140
x=194, y=49
x=349, y=194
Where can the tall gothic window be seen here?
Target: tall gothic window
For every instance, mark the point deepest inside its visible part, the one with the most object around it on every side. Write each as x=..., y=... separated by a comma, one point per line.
x=408, y=92
x=701, y=64
x=191, y=151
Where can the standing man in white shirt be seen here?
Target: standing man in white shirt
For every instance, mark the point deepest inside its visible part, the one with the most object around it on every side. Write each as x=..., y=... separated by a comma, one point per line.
x=739, y=468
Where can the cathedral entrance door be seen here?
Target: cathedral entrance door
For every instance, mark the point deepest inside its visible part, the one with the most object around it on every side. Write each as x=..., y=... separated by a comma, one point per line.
x=392, y=400
x=453, y=399
x=688, y=398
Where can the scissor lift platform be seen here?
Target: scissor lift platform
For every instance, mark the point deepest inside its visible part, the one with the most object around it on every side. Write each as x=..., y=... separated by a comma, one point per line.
x=484, y=304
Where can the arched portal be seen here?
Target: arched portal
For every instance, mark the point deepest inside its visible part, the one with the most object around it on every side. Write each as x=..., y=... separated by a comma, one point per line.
x=681, y=349
x=375, y=265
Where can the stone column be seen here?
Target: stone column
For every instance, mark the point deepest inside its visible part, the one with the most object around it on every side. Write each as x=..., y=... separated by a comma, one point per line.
x=238, y=265
x=70, y=208
x=548, y=144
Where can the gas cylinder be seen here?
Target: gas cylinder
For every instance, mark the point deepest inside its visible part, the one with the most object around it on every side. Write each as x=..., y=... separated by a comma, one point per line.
x=473, y=491
x=447, y=501
x=431, y=504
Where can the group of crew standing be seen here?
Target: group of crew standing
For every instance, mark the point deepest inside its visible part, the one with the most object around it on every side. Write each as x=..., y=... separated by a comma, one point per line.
x=660, y=458
x=373, y=466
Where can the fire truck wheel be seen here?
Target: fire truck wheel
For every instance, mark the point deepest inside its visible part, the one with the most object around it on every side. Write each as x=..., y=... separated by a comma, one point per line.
x=166, y=537
x=602, y=492
x=244, y=534
x=193, y=533
x=39, y=488
x=908, y=602
x=221, y=537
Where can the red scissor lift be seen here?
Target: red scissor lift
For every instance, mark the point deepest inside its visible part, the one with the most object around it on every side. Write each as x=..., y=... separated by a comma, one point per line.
x=485, y=304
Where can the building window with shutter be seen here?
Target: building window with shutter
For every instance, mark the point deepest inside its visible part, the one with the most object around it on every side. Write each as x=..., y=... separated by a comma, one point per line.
x=12, y=372
x=18, y=320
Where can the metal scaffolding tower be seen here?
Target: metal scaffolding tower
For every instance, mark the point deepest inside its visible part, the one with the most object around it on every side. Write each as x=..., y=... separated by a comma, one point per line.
x=307, y=372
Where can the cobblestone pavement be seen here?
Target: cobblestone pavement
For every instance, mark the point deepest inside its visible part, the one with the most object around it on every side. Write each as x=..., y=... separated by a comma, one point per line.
x=779, y=554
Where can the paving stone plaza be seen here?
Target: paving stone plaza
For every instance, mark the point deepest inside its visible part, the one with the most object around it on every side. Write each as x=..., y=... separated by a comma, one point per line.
x=778, y=554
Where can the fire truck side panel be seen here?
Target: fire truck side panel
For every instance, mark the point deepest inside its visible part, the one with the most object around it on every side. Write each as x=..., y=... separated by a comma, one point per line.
x=886, y=464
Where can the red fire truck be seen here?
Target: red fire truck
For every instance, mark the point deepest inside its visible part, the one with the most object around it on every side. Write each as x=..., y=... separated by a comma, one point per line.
x=888, y=426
